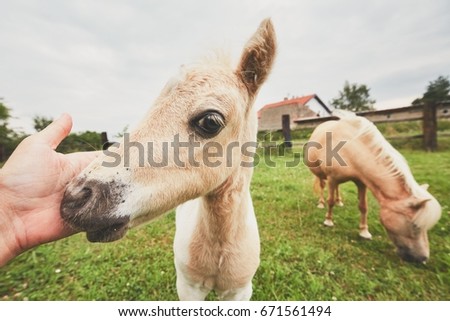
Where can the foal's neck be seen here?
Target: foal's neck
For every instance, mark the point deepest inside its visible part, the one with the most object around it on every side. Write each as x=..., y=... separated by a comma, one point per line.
x=224, y=210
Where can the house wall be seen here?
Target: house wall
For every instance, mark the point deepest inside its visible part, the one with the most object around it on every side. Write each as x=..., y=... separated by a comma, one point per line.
x=271, y=118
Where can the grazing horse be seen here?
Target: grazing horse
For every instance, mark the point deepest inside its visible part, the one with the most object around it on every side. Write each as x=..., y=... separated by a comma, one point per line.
x=201, y=135
x=352, y=149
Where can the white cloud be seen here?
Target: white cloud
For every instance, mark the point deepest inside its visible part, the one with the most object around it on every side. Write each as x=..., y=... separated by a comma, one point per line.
x=106, y=61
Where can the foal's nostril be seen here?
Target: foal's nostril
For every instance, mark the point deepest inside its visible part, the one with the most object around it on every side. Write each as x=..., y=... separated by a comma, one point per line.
x=91, y=206
x=78, y=200
x=86, y=193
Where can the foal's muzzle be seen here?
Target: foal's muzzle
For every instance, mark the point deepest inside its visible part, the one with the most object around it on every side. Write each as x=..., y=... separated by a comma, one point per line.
x=90, y=206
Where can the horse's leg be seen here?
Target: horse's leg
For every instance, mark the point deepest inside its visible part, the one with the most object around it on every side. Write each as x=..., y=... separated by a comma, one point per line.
x=338, y=197
x=362, y=205
x=188, y=291
x=321, y=186
x=331, y=201
x=241, y=294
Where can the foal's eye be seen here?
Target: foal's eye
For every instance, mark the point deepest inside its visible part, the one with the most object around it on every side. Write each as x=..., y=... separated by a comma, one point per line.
x=209, y=124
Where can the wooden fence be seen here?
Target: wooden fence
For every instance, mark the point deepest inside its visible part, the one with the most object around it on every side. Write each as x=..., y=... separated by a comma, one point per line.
x=427, y=113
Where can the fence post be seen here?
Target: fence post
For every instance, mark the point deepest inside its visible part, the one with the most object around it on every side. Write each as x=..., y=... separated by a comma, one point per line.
x=429, y=127
x=105, y=143
x=286, y=126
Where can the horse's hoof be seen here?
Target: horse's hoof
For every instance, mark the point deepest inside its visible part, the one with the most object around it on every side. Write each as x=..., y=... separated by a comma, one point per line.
x=340, y=204
x=320, y=205
x=365, y=235
x=328, y=223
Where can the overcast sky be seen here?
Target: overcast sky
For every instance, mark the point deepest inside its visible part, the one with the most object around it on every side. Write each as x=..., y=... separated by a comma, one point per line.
x=105, y=62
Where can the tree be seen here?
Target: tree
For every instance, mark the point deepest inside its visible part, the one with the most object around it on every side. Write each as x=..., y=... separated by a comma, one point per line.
x=41, y=122
x=437, y=90
x=74, y=142
x=4, y=117
x=354, y=97
x=4, y=130
x=84, y=141
x=9, y=139
x=122, y=133
x=4, y=112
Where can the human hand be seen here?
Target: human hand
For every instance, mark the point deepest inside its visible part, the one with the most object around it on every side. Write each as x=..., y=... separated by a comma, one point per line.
x=32, y=184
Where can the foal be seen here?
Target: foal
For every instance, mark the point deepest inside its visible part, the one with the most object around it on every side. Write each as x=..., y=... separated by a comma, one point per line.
x=407, y=210
x=205, y=115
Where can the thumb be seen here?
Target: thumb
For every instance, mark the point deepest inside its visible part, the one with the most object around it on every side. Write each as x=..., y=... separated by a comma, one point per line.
x=54, y=133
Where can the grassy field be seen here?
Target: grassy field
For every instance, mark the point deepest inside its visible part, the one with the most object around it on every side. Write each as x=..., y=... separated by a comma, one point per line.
x=300, y=260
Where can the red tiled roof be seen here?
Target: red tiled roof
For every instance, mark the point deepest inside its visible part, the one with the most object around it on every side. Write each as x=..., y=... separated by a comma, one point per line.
x=298, y=100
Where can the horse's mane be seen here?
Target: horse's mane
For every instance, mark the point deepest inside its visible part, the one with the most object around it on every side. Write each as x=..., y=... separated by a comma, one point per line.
x=395, y=165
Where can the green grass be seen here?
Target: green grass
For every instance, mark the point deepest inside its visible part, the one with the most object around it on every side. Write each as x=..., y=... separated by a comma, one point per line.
x=312, y=262
x=300, y=260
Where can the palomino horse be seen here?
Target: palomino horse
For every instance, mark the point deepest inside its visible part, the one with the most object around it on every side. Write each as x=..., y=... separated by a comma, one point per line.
x=407, y=210
x=206, y=115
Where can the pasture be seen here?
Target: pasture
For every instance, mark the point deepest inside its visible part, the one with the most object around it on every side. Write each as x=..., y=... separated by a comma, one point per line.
x=300, y=258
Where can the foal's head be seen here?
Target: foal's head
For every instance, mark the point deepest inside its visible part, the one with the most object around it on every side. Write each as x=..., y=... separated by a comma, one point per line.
x=407, y=223
x=191, y=141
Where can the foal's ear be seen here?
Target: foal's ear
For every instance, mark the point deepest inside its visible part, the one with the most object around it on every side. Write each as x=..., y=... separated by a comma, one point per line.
x=258, y=57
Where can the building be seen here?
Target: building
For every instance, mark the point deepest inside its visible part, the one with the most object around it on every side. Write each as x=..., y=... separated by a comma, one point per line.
x=269, y=117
